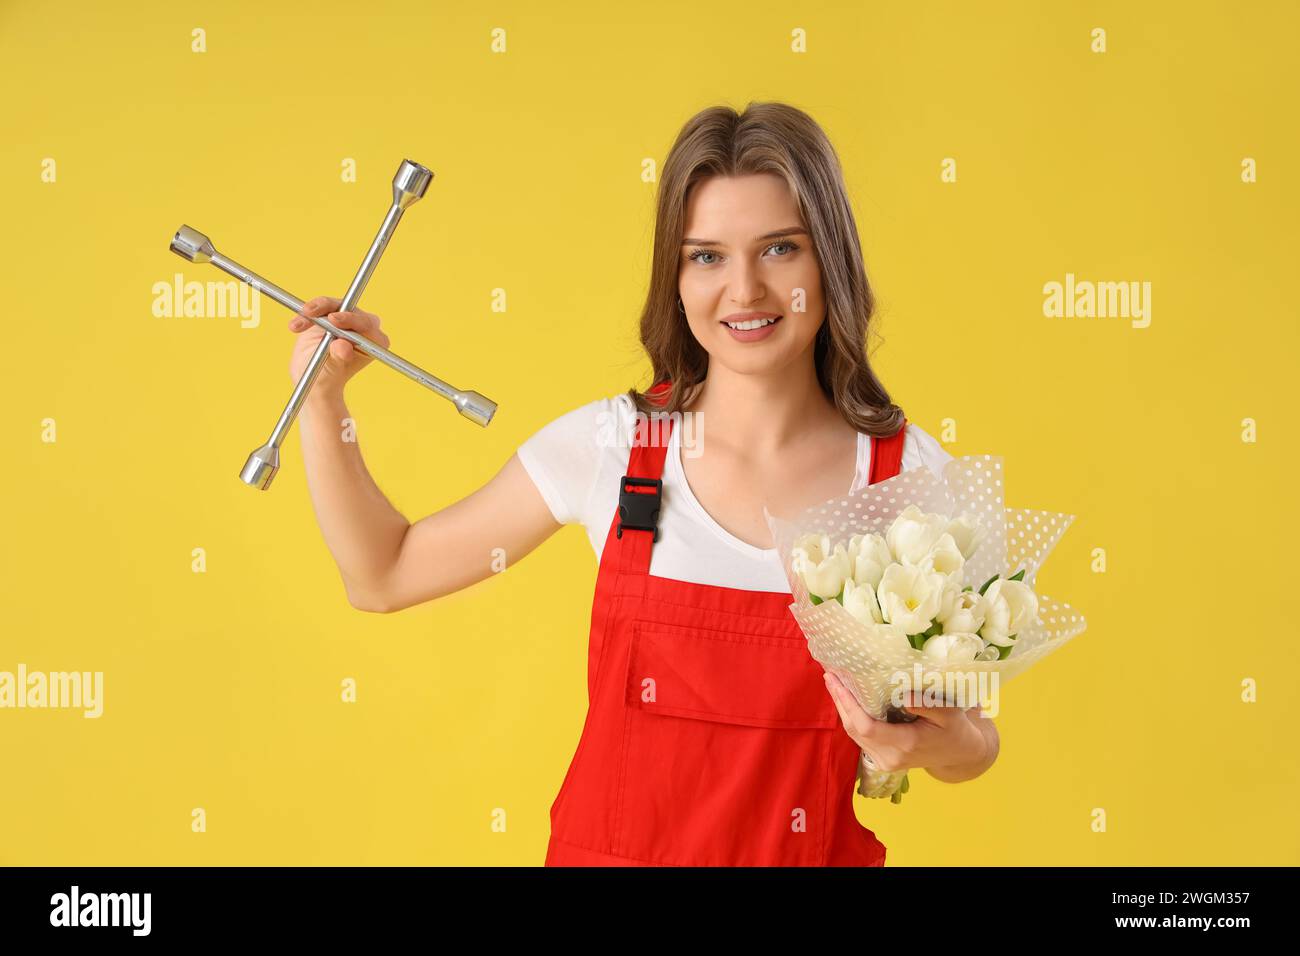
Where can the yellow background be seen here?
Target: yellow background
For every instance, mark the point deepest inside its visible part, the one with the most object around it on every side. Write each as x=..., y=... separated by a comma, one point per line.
x=222, y=689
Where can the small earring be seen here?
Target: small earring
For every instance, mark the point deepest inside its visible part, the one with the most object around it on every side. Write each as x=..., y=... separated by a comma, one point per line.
x=680, y=308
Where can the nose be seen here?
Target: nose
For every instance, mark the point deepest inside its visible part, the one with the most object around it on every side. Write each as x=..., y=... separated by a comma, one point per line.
x=745, y=286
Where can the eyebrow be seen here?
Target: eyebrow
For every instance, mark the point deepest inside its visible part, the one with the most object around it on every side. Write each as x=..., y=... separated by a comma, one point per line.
x=778, y=234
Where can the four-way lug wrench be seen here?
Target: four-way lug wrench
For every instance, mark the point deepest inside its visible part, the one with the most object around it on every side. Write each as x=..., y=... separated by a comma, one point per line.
x=409, y=185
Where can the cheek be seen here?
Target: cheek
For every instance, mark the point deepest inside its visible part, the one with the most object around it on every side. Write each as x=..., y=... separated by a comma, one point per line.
x=810, y=281
x=803, y=330
x=700, y=299
x=693, y=288
x=696, y=310
x=695, y=325
x=811, y=308
x=797, y=290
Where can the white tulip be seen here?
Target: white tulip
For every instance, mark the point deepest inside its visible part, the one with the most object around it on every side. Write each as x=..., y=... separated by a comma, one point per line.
x=870, y=554
x=824, y=578
x=909, y=597
x=944, y=557
x=952, y=648
x=952, y=585
x=815, y=547
x=1010, y=606
x=968, y=532
x=860, y=601
x=913, y=533
x=962, y=612
x=989, y=653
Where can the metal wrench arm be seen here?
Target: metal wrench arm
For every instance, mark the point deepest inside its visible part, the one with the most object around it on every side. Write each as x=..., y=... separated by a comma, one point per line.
x=194, y=246
x=294, y=304
x=317, y=361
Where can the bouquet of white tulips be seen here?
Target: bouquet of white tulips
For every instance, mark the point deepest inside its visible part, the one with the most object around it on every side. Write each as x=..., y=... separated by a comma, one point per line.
x=906, y=586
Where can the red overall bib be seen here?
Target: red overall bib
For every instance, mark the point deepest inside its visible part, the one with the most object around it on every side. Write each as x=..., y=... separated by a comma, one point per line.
x=710, y=738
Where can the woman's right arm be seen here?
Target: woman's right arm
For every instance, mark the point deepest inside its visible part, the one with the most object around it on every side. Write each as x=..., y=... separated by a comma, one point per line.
x=386, y=562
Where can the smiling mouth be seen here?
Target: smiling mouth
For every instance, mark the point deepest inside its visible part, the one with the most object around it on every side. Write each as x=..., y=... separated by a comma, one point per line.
x=754, y=324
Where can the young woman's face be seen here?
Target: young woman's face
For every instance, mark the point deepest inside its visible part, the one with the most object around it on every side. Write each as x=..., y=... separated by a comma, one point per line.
x=746, y=250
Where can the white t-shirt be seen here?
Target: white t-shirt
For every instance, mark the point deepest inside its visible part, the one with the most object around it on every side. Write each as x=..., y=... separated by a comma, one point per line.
x=577, y=460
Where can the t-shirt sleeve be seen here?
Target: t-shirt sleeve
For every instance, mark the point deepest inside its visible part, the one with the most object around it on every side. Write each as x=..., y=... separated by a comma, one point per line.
x=926, y=450
x=563, y=457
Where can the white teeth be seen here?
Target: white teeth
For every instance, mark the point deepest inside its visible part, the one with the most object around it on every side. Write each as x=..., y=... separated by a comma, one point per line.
x=744, y=326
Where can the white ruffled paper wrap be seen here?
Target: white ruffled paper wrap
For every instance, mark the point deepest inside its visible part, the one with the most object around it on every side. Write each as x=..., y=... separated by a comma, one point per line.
x=1015, y=538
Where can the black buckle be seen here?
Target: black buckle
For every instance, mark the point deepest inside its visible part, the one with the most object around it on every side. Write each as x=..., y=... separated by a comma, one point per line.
x=638, y=511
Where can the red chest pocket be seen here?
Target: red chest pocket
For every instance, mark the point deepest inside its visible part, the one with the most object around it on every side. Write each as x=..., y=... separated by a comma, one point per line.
x=726, y=749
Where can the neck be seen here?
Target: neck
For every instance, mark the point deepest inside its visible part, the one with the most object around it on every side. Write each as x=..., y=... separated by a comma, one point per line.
x=763, y=414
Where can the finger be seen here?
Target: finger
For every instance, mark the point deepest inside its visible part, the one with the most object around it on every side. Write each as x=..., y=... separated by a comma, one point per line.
x=856, y=720
x=361, y=322
x=938, y=716
x=321, y=305
x=920, y=701
x=341, y=349
x=935, y=708
x=831, y=688
x=885, y=736
x=839, y=708
x=849, y=698
x=841, y=693
x=942, y=715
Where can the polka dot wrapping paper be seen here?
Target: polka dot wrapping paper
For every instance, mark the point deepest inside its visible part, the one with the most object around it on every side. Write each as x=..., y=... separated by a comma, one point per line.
x=870, y=665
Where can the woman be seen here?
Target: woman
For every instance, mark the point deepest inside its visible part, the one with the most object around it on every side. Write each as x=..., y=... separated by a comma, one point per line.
x=712, y=737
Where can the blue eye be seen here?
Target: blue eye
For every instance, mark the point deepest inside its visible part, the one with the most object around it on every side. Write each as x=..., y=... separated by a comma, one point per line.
x=697, y=255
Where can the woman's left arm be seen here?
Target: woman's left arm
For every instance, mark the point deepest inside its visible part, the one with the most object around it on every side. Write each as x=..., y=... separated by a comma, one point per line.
x=951, y=743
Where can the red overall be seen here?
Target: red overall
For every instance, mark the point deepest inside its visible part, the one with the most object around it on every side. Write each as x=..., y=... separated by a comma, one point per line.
x=710, y=738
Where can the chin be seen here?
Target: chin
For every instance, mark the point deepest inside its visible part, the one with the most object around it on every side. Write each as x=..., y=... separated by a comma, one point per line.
x=737, y=361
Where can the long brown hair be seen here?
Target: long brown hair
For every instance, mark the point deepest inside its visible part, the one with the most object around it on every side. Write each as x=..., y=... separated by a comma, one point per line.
x=781, y=139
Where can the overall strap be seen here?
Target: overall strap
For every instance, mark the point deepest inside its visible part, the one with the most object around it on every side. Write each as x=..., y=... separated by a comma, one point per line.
x=887, y=455
x=640, y=493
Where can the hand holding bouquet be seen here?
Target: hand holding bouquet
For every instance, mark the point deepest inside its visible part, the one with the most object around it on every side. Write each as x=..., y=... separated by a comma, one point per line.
x=906, y=586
